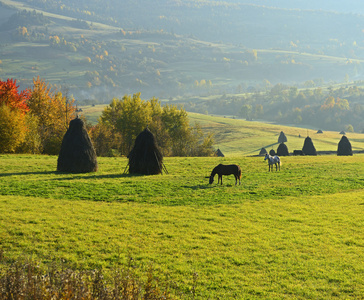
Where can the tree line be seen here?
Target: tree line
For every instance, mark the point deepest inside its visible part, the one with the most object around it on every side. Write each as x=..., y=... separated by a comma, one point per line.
x=35, y=120
x=330, y=109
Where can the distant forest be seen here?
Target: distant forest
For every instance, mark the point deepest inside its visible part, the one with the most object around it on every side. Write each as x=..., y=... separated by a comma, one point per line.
x=329, y=109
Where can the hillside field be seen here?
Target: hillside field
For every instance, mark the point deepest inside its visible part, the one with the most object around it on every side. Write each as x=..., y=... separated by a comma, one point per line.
x=239, y=137
x=293, y=234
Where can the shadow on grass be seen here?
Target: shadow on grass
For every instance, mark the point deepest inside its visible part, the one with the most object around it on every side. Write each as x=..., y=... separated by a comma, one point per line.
x=28, y=173
x=95, y=176
x=267, y=146
x=74, y=175
x=199, y=187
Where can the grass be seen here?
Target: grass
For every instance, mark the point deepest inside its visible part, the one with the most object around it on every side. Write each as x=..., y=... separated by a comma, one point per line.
x=240, y=137
x=290, y=234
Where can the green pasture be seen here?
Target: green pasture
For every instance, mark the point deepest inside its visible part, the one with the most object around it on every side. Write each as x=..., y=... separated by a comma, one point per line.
x=293, y=234
x=240, y=137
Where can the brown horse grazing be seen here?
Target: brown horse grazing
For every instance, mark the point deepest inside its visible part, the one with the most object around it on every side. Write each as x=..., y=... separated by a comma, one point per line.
x=225, y=170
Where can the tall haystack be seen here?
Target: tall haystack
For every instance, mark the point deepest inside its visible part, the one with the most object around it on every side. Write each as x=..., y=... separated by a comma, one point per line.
x=344, y=146
x=308, y=147
x=282, y=150
x=145, y=157
x=263, y=151
x=77, y=154
x=282, y=138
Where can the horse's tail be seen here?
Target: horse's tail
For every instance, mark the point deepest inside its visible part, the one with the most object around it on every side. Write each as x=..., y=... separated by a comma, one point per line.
x=239, y=172
x=279, y=161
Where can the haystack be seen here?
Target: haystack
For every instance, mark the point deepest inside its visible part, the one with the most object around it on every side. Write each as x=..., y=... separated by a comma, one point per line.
x=319, y=131
x=219, y=153
x=282, y=150
x=282, y=138
x=145, y=157
x=77, y=154
x=308, y=147
x=263, y=151
x=344, y=146
x=272, y=152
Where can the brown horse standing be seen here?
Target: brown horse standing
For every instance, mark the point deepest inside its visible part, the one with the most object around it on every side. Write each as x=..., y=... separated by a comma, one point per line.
x=225, y=170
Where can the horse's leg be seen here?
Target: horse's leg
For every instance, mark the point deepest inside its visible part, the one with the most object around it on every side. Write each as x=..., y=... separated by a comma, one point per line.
x=221, y=179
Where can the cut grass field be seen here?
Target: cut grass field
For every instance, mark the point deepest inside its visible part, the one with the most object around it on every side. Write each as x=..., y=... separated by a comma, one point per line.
x=293, y=234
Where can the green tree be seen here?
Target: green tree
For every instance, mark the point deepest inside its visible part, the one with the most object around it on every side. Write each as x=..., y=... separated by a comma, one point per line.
x=176, y=123
x=107, y=142
x=170, y=125
x=246, y=111
x=129, y=116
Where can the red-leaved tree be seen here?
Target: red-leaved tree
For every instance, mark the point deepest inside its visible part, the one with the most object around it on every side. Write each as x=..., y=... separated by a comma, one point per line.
x=11, y=97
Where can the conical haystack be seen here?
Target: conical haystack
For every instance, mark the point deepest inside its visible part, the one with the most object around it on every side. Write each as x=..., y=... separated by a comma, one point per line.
x=145, y=157
x=282, y=138
x=344, y=146
x=77, y=153
x=263, y=151
x=282, y=150
x=308, y=147
x=219, y=153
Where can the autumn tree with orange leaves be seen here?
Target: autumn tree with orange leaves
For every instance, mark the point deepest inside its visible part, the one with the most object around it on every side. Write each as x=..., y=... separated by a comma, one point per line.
x=13, y=108
x=34, y=120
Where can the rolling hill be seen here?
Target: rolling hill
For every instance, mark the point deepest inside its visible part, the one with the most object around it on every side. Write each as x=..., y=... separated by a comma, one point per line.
x=164, y=49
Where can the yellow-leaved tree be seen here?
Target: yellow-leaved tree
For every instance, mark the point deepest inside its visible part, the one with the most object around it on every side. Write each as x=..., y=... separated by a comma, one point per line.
x=169, y=124
x=53, y=112
x=12, y=125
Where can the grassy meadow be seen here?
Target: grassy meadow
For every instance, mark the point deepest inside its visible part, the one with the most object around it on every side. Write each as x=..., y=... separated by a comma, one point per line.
x=293, y=234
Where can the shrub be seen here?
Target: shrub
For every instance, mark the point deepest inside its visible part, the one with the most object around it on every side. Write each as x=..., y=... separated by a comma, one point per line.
x=26, y=280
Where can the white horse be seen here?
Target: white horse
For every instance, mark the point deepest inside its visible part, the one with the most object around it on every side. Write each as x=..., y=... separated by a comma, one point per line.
x=273, y=160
